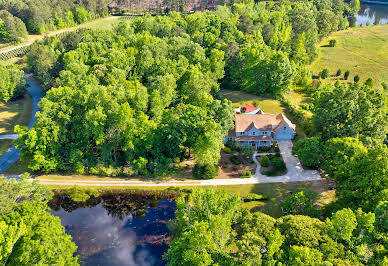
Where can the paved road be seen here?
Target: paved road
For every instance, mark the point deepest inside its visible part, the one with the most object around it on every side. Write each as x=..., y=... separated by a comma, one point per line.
x=13, y=154
x=9, y=136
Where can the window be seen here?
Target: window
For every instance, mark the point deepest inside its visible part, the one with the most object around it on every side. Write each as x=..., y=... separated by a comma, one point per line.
x=284, y=128
x=242, y=133
x=254, y=133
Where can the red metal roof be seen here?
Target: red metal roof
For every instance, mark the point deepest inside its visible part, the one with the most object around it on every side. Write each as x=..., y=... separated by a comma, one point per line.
x=250, y=108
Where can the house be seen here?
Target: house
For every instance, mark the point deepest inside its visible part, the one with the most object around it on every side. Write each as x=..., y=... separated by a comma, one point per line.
x=260, y=129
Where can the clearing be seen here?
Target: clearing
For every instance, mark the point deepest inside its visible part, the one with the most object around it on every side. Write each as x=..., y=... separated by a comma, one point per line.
x=361, y=50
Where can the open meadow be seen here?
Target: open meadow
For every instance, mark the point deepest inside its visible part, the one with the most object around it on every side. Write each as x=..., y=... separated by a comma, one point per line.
x=361, y=50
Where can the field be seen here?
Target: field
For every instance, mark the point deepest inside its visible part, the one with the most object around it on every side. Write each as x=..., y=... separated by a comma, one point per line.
x=362, y=50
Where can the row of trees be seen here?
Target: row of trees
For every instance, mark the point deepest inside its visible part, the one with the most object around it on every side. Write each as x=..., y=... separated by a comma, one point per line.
x=29, y=234
x=37, y=16
x=212, y=228
x=134, y=101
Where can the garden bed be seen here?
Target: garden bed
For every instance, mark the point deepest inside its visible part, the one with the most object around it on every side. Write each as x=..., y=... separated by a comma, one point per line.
x=272, y=166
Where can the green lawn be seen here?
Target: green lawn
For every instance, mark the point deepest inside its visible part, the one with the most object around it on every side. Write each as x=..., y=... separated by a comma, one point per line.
x=239, y=98
x=15, y=113
x=19, y=167
x=5, y=144
x=362, y=50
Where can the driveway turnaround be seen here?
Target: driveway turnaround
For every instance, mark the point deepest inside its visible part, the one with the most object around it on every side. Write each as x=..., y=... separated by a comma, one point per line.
x=13, y=154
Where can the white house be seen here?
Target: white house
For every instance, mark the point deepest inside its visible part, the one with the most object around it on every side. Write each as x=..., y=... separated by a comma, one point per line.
x=260, y=129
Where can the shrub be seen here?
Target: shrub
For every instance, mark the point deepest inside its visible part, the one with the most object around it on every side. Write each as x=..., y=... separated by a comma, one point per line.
x=265, y=161
x=254, y=197
x=277, y=154
x=325, y=73
x=277, y=149
x=245, y=173
x=227, y=150
x=356, y=78
x=332, y=43
x=267, y=173
x=81, y=195
x=339, y=72
x=346, y=75
x=270, y=156
x=278, y=164
x=233, y=145
x=369, y=82
x=235, y=160
x=264, y=148
x=247, y=151
x=204, y=171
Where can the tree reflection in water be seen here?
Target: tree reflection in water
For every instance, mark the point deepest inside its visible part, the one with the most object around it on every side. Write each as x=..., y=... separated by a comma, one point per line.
x=118, y=228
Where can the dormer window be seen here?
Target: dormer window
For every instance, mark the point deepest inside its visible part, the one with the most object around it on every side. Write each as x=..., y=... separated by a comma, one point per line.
x=253, y=132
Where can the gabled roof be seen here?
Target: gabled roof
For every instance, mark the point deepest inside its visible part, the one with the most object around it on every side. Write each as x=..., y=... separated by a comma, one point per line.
x=250, y=108
x=263, y=122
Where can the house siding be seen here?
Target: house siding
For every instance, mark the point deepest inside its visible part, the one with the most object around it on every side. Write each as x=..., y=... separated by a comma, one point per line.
x=284, y=133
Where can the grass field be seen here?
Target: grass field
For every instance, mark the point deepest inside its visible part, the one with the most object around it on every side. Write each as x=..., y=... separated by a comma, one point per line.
x=362, y=50
x=15, y=113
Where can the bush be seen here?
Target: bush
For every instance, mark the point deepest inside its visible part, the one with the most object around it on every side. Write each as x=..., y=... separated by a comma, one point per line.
x=227, y=150
x=278, y=164
x=370, y=83
x=325, y=73
x=204, y=171
x=276, y=149
x=233, y=145
x=356, y=78
x=339, y=72
x=346, y=75
x=247, y=151
x=254, y=197
x=264, y=148
x=268, y=173
x=265, y=161
x=81, y=195
x=277, y=154
x=332, y=43
x=245, y=173
x=235, y=160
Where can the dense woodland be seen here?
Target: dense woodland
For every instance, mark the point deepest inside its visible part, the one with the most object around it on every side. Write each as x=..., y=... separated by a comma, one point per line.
x=140, y=98
x=38, y=16
x=213, y=228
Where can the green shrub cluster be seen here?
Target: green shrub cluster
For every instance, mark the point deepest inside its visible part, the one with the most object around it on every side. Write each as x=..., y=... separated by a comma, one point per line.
x=245, y=173
x=204, y=171
x=254, y=197
x=235, y=160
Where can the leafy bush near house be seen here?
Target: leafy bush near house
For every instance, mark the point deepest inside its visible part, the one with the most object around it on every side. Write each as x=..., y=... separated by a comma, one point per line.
x=276, y=149
x=278, y=164
x=245, y=173
x=265, y=161
x=227, y=150
x=204, y=171
x=264, y=148
x=233, y=145
x=247, y=151
x=235, y=160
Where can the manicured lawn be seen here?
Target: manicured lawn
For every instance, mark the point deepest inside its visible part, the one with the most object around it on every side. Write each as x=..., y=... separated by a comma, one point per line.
x=362, y=50
x=15, y=113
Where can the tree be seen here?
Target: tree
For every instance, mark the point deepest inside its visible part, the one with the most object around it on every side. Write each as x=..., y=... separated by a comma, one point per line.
x=354, y=6
x=300, y=255
x=364, y=180
x=204, y=171
x=342, y=224
x=369, y=82
x=265, y=161
x=338, y=151
x=339, y=72
x=301, y=203
x=308, y=151
x=12, y=83
x=29, y=234
x=325, y=73
x=12, y=29
x=381, y=212
x=356, y=78
x=350, y=111
x=346, y=75
x=332, y=43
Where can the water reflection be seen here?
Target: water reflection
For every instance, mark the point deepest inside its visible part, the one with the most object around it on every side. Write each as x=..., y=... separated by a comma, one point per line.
x=118, y=229
x=371, y=14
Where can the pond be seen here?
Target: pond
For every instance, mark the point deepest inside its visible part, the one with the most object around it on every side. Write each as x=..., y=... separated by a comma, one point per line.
x=118, y=229
x=372, y=14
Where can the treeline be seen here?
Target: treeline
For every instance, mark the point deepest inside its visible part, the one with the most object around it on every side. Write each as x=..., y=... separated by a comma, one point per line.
x=213, y=228
x=38, y=16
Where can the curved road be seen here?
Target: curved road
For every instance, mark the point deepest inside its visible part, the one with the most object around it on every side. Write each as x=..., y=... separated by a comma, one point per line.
x=13, y=154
